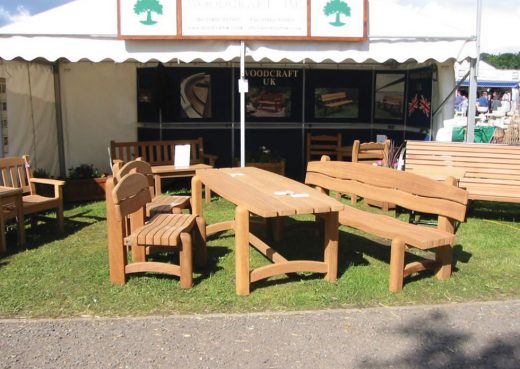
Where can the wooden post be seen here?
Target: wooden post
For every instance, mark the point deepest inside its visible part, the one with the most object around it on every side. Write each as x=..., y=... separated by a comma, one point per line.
x=396, y=265
x=331, y=245
x=117, y=257
x=242, y=251
x=185, y=258
x=196, y=196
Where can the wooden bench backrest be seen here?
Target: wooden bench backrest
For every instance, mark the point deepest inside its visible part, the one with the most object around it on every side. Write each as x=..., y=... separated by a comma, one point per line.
x=130, y=195
x=156, y=152
x=318, y=145
x=408, y=190
x=333, y=96
x=135, y=166
x=487, y=171
x=15, y=172
x=370, y=152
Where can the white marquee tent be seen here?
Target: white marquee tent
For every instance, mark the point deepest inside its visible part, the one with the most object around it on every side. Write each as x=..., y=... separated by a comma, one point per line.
x=71, y=83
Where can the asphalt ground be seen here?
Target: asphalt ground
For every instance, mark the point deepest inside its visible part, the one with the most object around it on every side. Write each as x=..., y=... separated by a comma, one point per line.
x=467, y=335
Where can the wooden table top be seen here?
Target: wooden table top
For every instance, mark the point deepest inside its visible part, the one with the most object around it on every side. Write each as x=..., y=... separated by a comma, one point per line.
x=161, y=169
x=265, y=193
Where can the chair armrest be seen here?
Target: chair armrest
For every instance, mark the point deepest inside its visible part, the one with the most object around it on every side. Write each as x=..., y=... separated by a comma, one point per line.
x=210, y=158
x=58, y=184
x=54, y=182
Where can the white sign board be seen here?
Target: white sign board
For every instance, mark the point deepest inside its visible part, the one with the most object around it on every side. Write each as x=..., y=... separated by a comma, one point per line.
x=327, y=20
x=182, y=155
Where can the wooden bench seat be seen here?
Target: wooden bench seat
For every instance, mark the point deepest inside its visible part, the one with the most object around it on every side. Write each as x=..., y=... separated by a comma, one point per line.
x=410, y=191
x=489, y=172
x=334, y=99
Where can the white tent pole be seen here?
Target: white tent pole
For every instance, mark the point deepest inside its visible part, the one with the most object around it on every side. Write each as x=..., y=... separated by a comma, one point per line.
x=470, y=136
x=242, y=90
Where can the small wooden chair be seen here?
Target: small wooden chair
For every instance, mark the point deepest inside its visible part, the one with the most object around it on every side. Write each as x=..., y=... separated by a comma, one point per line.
x=126, y=208
x=371, y=153
x=319, y=145
x=17, y=172
x=160, y=204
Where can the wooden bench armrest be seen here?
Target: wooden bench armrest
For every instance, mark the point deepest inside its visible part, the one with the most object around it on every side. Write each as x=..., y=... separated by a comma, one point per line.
x=210, y=158
x=54, y=182
x=51, y=182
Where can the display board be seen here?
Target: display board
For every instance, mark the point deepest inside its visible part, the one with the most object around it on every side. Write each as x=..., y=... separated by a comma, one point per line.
x=341, y=20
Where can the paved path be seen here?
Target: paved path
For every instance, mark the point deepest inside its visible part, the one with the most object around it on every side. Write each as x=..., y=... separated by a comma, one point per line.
x=473, y=335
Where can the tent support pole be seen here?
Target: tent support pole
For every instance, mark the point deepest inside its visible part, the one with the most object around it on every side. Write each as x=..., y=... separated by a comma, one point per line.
x=242, y=90
x=59, y=118
x=470, y=137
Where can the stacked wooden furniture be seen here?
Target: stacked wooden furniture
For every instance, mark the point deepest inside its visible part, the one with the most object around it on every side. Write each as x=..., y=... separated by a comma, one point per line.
x=410, y=191
x=488, y=172
x=371, y=153
x=318, y=145
x=159, y=204
x=270, y=101
x=127, y=228
x=159, y=152
x=17, y=172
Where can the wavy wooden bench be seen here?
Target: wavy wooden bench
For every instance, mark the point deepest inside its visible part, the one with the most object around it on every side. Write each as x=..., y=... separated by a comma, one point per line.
x=410, y=191
x=334, y=100
x=489, y=172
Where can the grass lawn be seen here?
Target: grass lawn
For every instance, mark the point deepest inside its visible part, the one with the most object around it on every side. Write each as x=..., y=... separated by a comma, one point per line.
x=66, y=276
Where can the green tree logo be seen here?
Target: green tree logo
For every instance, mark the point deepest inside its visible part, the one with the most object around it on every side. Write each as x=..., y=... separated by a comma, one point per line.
x=148, y=6
x=337, y=7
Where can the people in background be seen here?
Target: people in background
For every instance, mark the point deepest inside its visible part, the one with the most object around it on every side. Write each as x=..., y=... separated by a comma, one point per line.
x=483, y=99
x=495, y=101
x=506, y=101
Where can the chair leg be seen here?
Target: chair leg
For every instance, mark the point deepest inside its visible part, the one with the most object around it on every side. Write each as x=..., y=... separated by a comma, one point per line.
x=396, y=265
x=201, y=253
x=185, y=261
x=443, y=255
x=3, y=246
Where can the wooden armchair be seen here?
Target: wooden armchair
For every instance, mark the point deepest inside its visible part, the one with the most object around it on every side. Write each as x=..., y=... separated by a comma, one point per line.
x=159, y=204
x=17, y=172
x=126, y=206
x=319, y=145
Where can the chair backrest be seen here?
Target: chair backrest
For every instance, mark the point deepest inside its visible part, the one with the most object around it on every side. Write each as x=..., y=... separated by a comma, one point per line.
x=370, y=152
x=410, y=191
x=16, y=172
x=130, y=195
x=136, y=166
x=318, y=145
x=156, y=152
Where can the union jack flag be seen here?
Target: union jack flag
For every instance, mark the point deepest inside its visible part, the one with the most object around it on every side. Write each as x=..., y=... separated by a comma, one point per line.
x=413, y=105
x=425, y=106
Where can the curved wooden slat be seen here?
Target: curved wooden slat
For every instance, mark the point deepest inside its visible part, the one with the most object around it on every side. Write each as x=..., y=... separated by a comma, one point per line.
x=152, y=266
x=295, y=266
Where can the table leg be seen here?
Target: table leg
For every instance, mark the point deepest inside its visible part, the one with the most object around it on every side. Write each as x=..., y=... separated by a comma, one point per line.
x=331, y=246
x=242, y=251
x=20, y=220
x=196, y=196
x=158, y=186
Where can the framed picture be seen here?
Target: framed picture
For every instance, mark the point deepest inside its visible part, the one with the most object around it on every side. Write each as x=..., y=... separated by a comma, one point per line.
x=389, y=96
x=336, y=103
x=269, y=102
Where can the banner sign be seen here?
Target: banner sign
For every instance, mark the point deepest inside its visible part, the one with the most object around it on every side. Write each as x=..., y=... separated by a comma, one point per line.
x=328, y=20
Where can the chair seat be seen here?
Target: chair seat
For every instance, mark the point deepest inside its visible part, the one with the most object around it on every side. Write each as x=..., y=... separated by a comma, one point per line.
x=165, y=204
x=31, y=204
x=161, y=230
x=387, y=227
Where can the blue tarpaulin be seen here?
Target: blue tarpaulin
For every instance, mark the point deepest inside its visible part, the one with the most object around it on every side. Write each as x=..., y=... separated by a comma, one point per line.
x=498, y=84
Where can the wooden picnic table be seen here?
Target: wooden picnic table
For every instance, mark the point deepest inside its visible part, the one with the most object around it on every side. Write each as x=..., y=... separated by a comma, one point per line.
x=11, y=196
x=171, y=171
x=268, y=195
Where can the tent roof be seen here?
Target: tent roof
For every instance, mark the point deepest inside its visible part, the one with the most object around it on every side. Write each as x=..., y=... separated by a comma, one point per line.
x=497, y=84
x=87, y=30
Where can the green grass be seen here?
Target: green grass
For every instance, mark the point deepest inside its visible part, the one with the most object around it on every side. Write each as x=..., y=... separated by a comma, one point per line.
x=68, y=276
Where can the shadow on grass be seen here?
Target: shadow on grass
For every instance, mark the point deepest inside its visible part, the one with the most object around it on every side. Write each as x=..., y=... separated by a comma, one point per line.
x=494, y=210
x=432, y=343
x=44, y=229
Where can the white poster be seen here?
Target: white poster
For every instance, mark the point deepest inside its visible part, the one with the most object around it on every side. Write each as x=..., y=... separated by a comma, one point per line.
x=337, y=18
x=148, y=17
x=244, y=18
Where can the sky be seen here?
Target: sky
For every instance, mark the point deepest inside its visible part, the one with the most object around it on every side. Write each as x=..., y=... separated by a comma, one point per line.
x=499, y=32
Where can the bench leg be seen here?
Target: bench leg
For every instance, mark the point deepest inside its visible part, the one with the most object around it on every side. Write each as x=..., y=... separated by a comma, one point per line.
x=443, y=255
x=201, y=253
x=185, y=261
x=396, y=265
x=207, y=194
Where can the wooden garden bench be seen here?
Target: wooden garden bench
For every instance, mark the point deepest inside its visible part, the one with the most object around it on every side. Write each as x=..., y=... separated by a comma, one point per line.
x=410, y=191
x=160, y=152
x=488, y=172
x=334, y=99
x=17, y=172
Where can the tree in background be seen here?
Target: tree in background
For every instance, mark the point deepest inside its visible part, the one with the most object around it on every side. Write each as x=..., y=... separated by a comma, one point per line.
x=502, y=61
x=148, y=6
x=337, y=7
